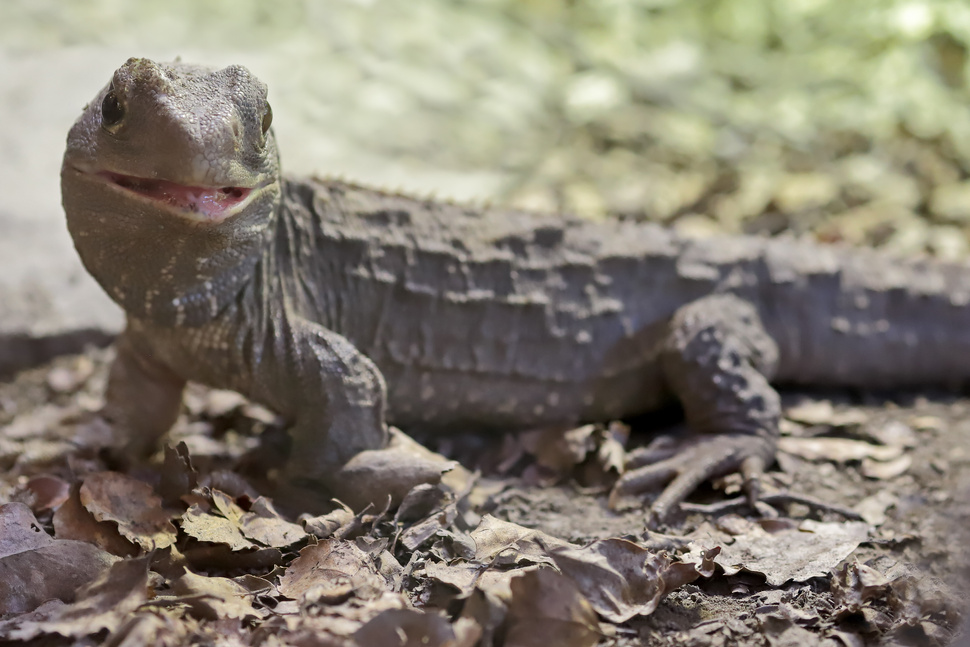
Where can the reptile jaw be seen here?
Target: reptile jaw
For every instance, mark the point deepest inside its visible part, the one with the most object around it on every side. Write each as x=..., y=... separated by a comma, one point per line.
x=199, y=203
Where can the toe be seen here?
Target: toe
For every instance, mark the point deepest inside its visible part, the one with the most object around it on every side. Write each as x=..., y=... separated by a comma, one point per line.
x=697, y=460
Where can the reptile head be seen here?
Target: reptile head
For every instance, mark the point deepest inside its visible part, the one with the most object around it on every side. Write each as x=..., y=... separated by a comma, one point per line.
x=170, y=181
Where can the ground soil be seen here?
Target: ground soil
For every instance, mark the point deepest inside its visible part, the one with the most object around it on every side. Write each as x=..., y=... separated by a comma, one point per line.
x=924, y=531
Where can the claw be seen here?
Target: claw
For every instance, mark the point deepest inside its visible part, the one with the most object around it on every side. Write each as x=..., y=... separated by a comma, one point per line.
x=696, y=460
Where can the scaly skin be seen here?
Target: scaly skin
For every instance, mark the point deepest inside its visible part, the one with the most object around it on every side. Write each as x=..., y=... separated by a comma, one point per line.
x=310, y=295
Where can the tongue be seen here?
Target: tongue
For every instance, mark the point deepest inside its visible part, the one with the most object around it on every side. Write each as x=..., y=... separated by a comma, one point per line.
x=210, y=202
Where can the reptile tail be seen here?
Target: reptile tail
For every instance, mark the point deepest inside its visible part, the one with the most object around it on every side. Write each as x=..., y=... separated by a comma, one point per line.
x=861, y=318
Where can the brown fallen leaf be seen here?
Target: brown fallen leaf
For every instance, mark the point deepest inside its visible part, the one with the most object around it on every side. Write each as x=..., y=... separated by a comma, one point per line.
x=264, y=525
x=422, y=501
x=619, y=578
x=19, y=530
x=203, y=525
x=504, y=543
x=558, y=449
x=131, y=504
x=218, y=519
x=886, y=470
x=213, y=598
x=440, y=508
x=104, y=604
x=622, y=579
x=893, y=433
x=47, y=492
x=873, y=508
x=388, y=472
x=34, y=567
x=154, y=628
x=325, y=525
x=547, y=608
x=593, y=454
x=901, y=601
x=179, y=476
x=205, y=556
x=333, y=570
x=855, y=584
x=840, y=450
x=822, y=412
x=466, y=577
x=73, y=521
x=413, y=628
x=41, y=422
x=610, y=456
x=782, y=549
x=57, y=571
x=319, y=624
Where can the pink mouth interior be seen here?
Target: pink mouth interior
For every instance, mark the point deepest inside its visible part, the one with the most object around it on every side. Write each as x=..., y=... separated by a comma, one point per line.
x=211, y=202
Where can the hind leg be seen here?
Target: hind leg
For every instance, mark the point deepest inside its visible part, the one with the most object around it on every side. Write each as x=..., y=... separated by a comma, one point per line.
x=717, y=360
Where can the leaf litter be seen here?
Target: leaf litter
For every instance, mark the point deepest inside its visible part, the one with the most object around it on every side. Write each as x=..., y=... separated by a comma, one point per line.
x=186, y=547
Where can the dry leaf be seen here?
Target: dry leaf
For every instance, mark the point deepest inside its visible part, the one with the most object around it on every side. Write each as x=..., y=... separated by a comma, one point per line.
x=439, y=507
x=35, y=567
x=465, y=577
x=821, y=412
x=102, y=605
x=179, y=477
x=73, y=521
x=873, y=508
x=205, y=556
x=47, y=492
x=151, y=627
x=213, y=598
x=263, y=524
x=213, y=528
x=885, y=470
x=324, y=526
x=621, y=579
x=335, y=569
x=840, y=450
x=790, y=551
x=19, y=530
x=412, y=628
x=558, y=449
x=237, y=528
x=855, y=584
x=503, y=542
x=547, y=608
x=216, y=519
x=893, y=433
x=131, y=504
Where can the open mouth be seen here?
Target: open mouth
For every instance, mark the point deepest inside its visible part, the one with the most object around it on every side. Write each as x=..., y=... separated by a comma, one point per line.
x=214, y=203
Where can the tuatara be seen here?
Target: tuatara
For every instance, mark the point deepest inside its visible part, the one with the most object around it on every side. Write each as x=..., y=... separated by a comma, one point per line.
x=344, y=307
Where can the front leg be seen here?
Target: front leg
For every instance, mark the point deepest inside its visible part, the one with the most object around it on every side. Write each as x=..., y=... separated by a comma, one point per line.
x=717, y=360
x=142, y=398
x=335, y=396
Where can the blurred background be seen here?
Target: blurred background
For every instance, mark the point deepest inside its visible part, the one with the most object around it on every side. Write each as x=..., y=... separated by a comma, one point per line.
x=760, y=115
x=845, y=121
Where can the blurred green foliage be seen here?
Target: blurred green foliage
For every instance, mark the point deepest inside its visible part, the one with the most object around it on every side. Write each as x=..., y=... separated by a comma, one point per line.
x=847, y=119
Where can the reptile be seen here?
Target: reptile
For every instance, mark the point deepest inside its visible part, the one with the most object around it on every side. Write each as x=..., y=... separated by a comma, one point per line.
x=346, y=308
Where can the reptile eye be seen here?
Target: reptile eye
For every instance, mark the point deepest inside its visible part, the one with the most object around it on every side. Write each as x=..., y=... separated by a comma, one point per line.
x=112, y=111
x=267, y=119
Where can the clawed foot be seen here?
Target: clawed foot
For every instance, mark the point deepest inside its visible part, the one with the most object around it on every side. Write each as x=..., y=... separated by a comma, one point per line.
x=683, y=465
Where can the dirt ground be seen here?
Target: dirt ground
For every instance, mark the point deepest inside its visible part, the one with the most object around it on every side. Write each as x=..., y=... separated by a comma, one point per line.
x=902, y=581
